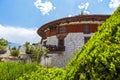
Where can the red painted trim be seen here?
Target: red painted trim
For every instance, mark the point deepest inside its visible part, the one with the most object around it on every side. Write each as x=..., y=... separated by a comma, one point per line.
x=71, y=27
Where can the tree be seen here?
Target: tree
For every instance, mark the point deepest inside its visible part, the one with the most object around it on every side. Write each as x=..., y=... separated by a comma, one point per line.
x=3, y=45
x=35, y=52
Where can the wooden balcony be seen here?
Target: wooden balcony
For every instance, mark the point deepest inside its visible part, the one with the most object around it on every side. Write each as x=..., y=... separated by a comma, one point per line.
x=55, y=48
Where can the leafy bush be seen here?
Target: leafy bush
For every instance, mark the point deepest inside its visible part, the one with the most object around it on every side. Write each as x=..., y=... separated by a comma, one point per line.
x=27, y=45
x=45, y=74
x=99, y=59
x=11, y=71
x=14, y=51
x=35, y=51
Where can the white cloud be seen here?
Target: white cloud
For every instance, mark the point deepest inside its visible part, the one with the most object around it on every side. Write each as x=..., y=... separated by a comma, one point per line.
x=86, y=12
x=114, y=3
x=69, y=15
x=45, y=7
x=83, y=5
x=18, y=35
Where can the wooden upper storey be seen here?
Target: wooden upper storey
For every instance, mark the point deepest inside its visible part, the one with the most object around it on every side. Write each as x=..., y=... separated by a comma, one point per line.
x=81, y=23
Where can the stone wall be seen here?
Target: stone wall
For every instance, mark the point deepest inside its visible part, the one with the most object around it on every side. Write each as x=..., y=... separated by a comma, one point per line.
x=73, y=43
x=53, y=40
x=53, y=59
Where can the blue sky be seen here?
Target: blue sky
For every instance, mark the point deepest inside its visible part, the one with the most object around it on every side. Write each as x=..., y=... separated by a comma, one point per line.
x=20, y=19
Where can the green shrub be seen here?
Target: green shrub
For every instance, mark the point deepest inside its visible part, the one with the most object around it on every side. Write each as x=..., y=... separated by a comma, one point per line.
x=45, y=74
x=35, y=51
x=14, y=51
x=27, y=45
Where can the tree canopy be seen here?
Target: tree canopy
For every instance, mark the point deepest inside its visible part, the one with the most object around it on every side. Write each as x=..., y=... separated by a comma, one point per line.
x=3, y=44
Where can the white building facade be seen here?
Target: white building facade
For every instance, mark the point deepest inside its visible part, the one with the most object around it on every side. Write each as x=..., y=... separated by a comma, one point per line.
x=65, y=36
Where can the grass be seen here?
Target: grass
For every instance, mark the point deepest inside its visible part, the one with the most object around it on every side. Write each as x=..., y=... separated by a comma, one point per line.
x=11, y=71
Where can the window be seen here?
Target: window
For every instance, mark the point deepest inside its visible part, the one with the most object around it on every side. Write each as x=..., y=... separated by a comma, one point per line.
x=62, y=30
x=61, y=42
x=52, y=29
x=86, y=28
x=86, y=39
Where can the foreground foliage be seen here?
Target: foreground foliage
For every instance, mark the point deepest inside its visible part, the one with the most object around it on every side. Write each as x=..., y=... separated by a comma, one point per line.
x=11, y=71
x=21, y=71
x=45, y=74
x=99, y=59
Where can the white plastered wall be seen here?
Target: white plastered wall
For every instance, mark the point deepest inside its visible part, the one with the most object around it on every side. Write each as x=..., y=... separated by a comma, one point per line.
x=53, y=40
x=72, y=42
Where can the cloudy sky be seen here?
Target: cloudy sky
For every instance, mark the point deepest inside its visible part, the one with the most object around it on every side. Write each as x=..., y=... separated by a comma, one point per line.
x=20, y=19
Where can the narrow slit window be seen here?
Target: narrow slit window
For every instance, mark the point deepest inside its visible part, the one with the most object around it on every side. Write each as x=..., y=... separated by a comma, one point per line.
x=86, y=29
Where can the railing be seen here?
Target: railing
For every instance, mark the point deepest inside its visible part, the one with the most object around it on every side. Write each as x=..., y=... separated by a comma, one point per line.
x=55, y=48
